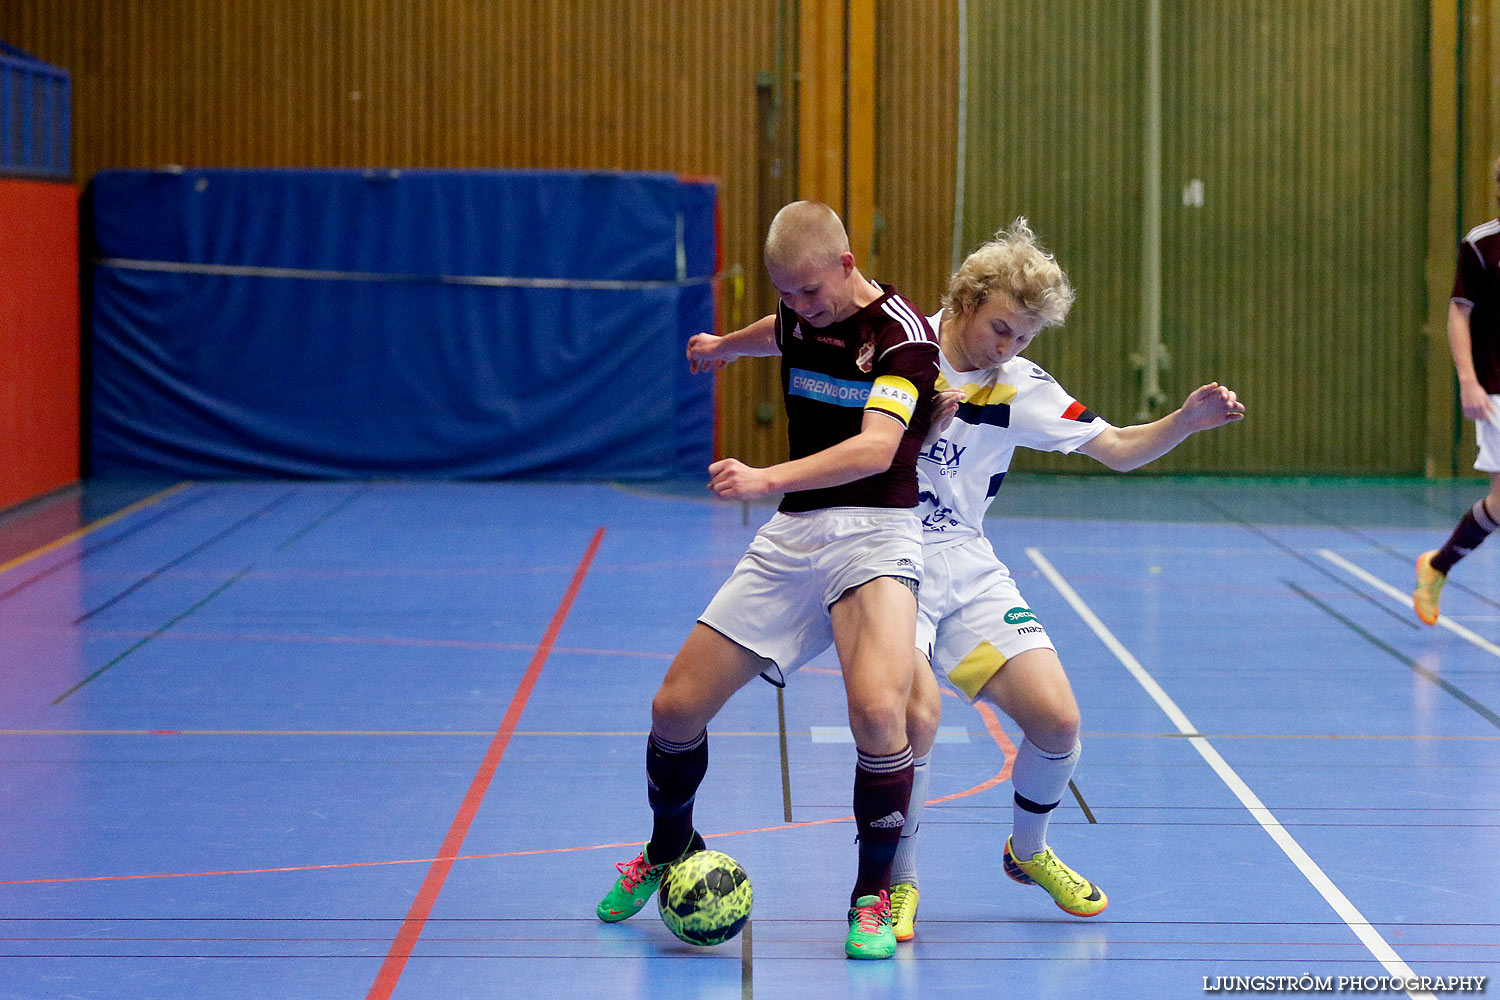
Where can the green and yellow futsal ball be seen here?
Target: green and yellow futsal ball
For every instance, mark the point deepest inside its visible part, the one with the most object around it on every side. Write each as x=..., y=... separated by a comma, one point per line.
x=705, y=898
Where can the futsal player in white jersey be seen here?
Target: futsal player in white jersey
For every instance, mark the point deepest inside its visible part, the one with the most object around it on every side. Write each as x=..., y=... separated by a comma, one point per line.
x=973, y=625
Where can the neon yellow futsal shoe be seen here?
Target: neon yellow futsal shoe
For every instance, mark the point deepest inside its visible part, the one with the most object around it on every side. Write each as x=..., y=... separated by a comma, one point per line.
x=638, y=880
x=904, y=910
x=1424, y=600
x=1069, y=890
x=870, y=934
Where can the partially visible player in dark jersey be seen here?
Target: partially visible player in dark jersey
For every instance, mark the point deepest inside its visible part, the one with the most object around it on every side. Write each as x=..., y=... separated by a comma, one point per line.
x=1474, y=341
x=838, y=564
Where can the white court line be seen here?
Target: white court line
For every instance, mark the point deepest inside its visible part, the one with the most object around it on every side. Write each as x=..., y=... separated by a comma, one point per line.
x=1403, y=597
x=1346, y=910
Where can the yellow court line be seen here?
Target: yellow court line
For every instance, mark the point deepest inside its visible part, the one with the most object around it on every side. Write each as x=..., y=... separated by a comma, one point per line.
x=73, y=536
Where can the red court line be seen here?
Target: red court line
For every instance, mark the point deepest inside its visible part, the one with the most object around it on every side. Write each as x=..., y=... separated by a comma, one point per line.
x=997, y=733
x=437, y=874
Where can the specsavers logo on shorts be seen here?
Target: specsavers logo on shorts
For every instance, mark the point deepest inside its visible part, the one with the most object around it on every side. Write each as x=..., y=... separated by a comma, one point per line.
x=811, y=385
x=1016, y=616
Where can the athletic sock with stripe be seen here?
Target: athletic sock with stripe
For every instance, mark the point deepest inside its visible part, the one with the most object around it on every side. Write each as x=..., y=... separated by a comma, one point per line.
x=1039, y=779
x=882, y=791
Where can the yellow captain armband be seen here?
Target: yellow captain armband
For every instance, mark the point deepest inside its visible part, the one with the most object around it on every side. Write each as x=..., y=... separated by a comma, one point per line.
x=894, y=395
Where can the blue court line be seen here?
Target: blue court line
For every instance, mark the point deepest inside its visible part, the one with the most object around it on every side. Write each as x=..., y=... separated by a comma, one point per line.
x=248, y=518
x=73, y=536
x=1403, y=598
x=1311, y=564
x=85, y=551
x=1088, y=813
x=1380, y=546
x=325, y=516
x=202, y=601
x=1472, y=703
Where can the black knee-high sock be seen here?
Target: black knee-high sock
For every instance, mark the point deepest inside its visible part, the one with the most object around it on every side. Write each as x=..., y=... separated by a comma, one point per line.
x=882, y=791
x=673, y=773
x=1474, y=527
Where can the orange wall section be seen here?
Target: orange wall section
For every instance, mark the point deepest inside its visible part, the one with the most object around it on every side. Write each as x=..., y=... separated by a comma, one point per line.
x=39, y=330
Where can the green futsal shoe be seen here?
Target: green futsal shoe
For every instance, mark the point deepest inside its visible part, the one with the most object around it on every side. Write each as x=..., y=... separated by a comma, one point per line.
x=1069, y=890
x=870, y=933
x=904, y=910
x=638, y=880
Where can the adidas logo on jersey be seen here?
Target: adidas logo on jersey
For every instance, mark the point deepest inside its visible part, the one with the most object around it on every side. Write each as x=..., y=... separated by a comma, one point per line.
x=886, y=822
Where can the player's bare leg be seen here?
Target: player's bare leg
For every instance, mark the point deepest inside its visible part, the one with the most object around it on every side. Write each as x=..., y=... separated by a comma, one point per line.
x=874, y=628
x=1033, y=689
x=874, y=631
x=924, y=709
x=706, y=672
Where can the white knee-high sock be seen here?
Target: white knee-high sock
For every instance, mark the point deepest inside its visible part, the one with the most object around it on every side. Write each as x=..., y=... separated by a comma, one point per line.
x=1039, y=780
x=905, y=867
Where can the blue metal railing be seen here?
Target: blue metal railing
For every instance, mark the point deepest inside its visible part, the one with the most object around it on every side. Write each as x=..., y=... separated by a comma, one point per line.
x=35, y=116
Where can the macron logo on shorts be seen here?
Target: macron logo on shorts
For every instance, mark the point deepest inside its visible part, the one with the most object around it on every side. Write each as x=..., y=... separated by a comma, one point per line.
x=886, y=822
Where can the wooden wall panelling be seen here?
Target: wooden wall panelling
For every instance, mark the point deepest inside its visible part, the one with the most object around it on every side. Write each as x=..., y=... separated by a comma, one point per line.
x=916, y=85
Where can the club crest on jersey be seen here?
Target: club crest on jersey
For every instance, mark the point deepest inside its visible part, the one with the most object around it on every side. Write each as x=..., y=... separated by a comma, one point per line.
x=865, y=360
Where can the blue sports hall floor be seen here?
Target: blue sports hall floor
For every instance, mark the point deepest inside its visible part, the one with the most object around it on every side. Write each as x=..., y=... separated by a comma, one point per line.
x=285, y=740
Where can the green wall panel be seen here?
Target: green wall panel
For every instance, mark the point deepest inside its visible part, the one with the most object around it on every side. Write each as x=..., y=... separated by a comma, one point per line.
x=1298, y=280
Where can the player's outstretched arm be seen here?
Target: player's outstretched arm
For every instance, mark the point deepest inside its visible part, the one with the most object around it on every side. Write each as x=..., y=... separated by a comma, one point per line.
x=1126, y=448
x=708, y=353
x=867, y=453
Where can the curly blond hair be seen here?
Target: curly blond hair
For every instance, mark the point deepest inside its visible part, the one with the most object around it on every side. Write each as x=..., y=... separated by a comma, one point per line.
x=1013, y=264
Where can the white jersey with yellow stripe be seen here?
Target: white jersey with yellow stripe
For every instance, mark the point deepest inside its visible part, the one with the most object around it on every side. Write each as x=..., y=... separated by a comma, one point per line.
x=1015, y=405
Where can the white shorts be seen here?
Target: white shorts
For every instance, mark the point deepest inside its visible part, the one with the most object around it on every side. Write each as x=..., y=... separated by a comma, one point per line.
x=776, y=601
x=1488, y=433
x=971, y=618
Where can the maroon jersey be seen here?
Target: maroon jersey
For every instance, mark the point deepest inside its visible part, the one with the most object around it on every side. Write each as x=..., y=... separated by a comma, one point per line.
x=884, y=357
x=1478, y=283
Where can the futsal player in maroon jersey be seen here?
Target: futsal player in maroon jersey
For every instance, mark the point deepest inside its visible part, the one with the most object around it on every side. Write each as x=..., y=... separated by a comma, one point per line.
x=838, y=564
x=1474, y=340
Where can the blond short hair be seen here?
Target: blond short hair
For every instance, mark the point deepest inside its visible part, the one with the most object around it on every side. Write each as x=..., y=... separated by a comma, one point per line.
x=1013, y=264
x=805, y=233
